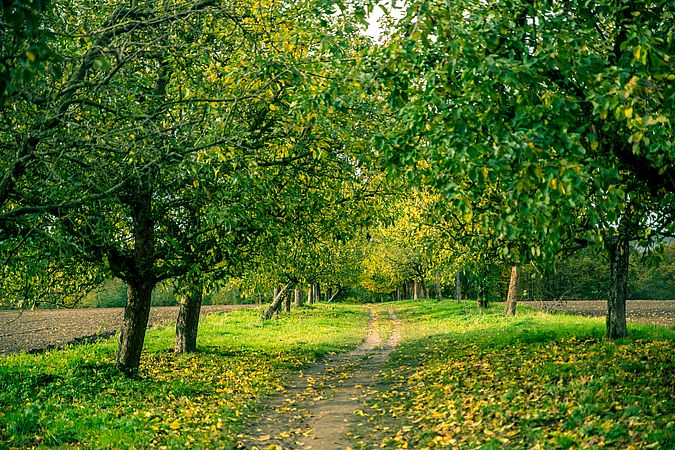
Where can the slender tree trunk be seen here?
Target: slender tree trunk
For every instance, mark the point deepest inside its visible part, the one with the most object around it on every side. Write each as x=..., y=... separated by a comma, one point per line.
x=437, y=284
x=317, y=293
x=482, y=296
x=334, y=294
x=310, y=294
x=458, y=286
x=514, y=290
x=298, y=297
x=187, y=323
x=287, y=303
x=618, y=250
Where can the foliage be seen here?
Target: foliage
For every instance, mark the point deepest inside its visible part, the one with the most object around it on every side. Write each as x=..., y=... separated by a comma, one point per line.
x=549, y=120
x=76, y=397
x=463, y=378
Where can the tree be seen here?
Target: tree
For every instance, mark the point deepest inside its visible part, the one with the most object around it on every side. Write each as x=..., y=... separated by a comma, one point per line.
x=562, y=107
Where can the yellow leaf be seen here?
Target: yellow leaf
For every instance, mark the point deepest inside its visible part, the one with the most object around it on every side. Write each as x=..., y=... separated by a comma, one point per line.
x=628, y=112
x=175, y=425
x=273, y=107
x=30, y=56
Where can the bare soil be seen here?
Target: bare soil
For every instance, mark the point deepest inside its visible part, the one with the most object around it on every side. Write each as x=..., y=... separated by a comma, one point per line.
x=35, y=331
x=325, y=407
x=660, y=312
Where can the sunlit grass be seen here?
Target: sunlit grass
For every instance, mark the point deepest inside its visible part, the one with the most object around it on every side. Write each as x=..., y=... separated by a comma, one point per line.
x=466, y=378
x=76, y=396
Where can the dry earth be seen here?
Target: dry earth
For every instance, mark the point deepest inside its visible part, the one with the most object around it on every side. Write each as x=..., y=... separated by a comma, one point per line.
x=325, y=407
x=661, y=312
x=34, y=331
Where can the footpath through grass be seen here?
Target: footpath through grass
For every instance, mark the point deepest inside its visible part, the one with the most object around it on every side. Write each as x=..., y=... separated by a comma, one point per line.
x=464, y=378
x=76, y=398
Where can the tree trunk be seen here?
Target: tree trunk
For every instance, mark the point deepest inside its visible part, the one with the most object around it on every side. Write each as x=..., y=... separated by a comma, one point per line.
x=514, y=290
x=298, y=297
x=438, y=285
x=287, y=303
x=140, y=284
x=458, y=286
x=334, y=294
x=618, y=250
x=134, y=324
x=276, y=302
x=317, y=293
x=482, y=296
x=187, y=322
x=310, y=294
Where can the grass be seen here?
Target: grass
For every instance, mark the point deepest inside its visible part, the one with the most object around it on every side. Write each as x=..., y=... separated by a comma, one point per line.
x=465, y=378
x=76, y=398
x=461, y=378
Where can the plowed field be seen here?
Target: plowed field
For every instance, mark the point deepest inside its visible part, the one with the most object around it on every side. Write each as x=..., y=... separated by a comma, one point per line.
x=660, y=312
x=34, y=331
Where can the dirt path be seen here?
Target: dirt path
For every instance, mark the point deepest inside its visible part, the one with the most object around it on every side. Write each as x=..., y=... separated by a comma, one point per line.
x=325, y=406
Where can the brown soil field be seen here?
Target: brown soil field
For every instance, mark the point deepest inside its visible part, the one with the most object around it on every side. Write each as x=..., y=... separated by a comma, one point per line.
x=660, y=312
x=35, y=331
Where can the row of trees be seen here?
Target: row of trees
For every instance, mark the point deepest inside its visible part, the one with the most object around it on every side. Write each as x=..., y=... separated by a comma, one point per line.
x=176, y=141
x=189, y=143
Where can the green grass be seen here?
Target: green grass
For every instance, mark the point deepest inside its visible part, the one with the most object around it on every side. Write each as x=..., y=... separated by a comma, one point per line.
x=461, y=378
x=465, y=378
x=76, y=398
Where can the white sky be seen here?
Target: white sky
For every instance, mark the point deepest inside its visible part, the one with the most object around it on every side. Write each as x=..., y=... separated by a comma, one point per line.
x=374, y=30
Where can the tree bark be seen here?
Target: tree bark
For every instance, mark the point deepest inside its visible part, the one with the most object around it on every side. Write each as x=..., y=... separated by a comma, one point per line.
x=298, y=297
x=187, y=323
x=140, y=281
x=458, y=286
x=317, y=292
x=134, y=324
x=514, y=291
x=437, y=285
x=334, y=294
x=310, y=294
x=287, y=303
x=619, y=251
x=276, y=302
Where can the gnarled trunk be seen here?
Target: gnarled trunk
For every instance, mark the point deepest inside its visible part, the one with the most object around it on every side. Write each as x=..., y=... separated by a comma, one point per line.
x=134, y=324
x=187, y=323
x=618, y=250
x=140, y=283
x=276, y=302
x=512, y=296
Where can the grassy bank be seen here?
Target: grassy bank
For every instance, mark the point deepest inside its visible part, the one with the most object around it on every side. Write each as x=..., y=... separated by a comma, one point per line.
x=76, y=397
x=464, y=378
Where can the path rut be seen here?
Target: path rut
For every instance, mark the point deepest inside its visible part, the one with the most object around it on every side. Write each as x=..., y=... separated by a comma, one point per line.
x=325, y=407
